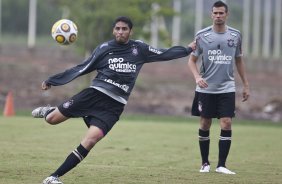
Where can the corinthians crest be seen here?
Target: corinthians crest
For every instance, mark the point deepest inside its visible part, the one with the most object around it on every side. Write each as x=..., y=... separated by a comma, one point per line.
x=134, y=51
x=68, y=104
x=231, y=43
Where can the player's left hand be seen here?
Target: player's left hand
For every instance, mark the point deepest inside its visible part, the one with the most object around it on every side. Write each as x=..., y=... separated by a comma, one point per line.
x=246, y=94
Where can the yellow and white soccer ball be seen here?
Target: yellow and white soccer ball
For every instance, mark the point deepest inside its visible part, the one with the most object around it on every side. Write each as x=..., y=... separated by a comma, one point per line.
x=64, y=32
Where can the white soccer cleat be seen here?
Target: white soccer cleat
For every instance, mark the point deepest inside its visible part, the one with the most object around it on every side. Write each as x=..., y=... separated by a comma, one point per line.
x=40, y=112
x=224, y=170
x=52, y=180
x=205, y=168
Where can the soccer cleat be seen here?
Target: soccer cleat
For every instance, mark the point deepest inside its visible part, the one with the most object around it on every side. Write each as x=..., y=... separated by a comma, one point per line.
x=40, y=112
x=52, y=180
x=224, y=170
x=205, y=168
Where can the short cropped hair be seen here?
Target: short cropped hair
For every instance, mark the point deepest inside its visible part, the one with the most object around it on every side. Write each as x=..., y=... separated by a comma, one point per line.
x=125, y=20
x=218, y=4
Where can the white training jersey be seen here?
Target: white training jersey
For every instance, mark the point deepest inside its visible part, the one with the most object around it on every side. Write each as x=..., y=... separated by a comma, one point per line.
x=218, y=52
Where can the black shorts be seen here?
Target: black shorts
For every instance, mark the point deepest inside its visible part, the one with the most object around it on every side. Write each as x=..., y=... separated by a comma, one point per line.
x=214, y=105
x=95, y=107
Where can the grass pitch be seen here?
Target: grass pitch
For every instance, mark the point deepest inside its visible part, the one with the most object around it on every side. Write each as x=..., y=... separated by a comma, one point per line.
x=137, y=151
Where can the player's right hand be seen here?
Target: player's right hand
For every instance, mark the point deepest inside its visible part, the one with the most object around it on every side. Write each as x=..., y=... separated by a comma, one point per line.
x=192, y=45
x=45, y=86
x=201, y=82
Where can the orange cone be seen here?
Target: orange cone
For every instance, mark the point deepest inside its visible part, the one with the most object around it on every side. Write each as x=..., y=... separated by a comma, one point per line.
x=9, y=105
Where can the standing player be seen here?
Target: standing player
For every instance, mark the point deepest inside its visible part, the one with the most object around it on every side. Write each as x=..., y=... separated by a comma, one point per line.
x=118, y=63
x=220, y=48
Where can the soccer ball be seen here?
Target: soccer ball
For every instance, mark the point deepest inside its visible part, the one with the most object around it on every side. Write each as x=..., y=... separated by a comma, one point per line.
x=64, y=32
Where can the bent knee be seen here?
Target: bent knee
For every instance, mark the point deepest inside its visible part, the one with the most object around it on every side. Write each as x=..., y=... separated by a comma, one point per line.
x=55, y=117
x=93, y=136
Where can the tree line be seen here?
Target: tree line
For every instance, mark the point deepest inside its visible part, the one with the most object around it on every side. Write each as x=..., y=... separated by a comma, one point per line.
x=94, y=19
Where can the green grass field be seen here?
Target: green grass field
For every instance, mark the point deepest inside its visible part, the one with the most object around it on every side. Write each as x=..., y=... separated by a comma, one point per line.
x=140, y=150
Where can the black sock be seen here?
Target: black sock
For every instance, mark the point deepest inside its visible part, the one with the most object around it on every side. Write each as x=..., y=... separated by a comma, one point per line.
x=71, y=161
x=204, y=142
x=224, y=146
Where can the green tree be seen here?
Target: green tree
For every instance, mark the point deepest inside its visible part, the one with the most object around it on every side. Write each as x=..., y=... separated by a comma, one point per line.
x=15, y=16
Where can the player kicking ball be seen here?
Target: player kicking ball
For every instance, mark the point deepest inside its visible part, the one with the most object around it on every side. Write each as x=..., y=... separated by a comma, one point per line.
x=117, y=63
